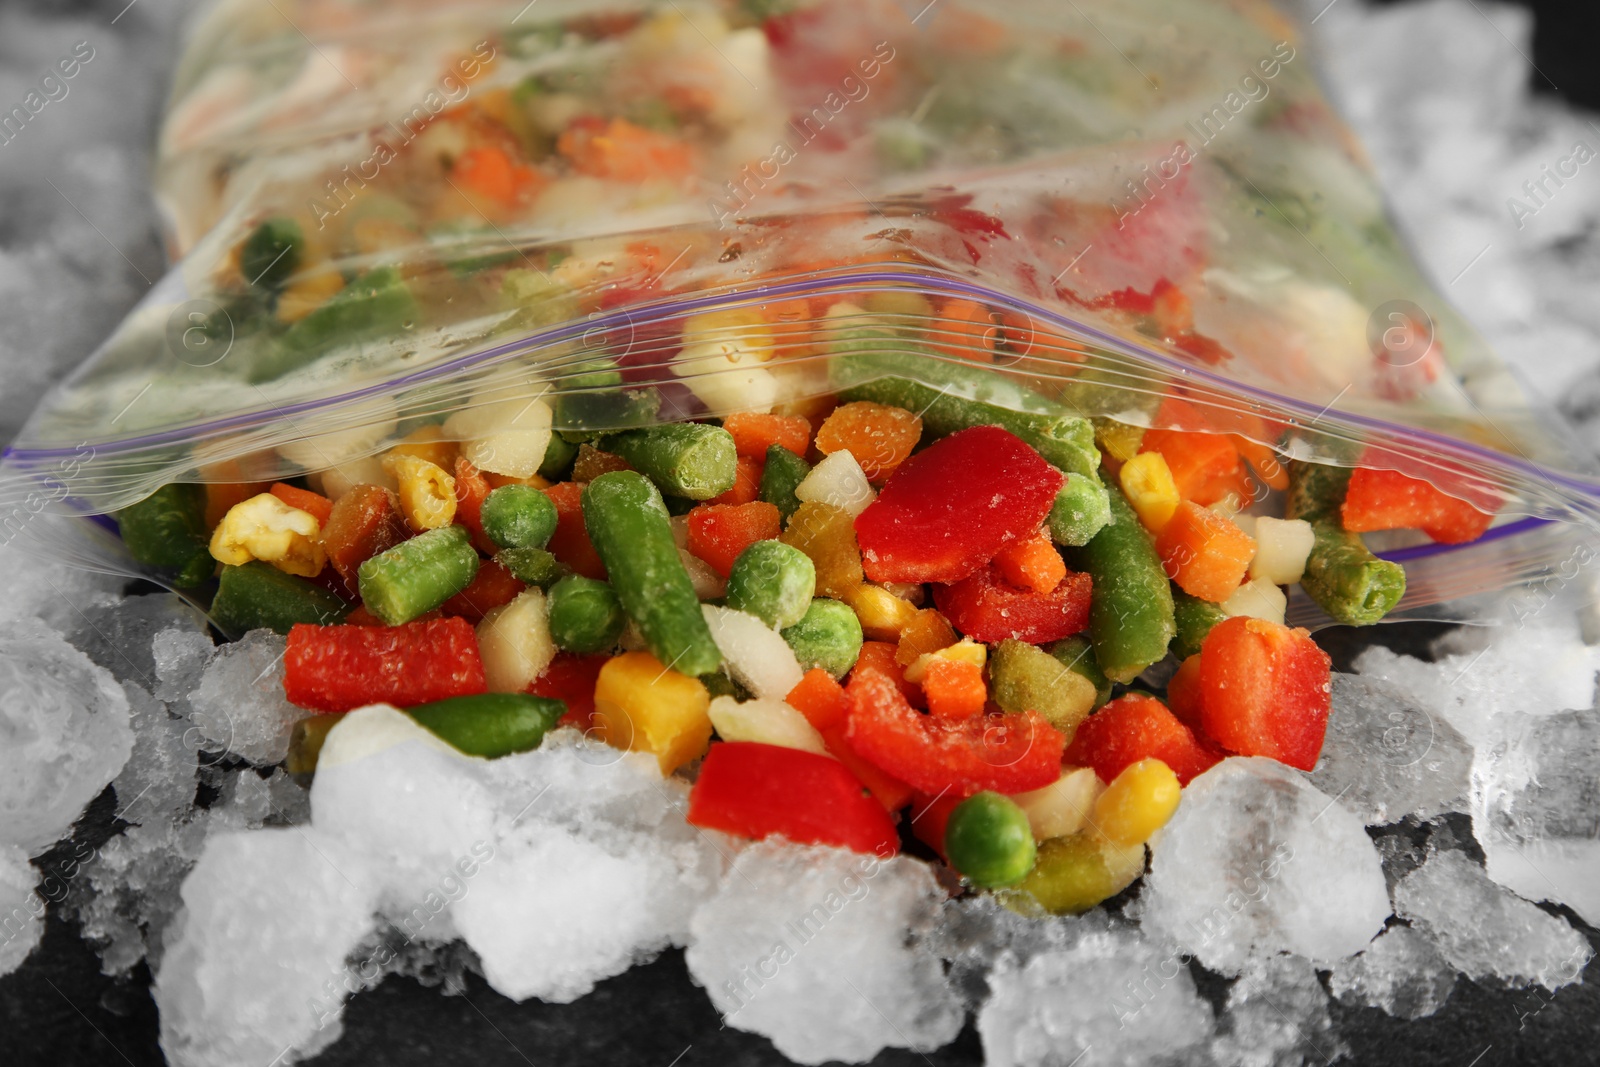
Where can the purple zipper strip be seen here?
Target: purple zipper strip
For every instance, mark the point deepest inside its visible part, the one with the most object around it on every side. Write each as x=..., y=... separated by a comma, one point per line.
x=1494, y=533
x=668, y=308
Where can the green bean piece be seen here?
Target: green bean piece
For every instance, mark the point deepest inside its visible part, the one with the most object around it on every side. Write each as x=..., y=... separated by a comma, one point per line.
x=585, y=615
x=491, y=725
x=684, y=459
x=781, y=477
x=558, y=457
x=989, y=841
x=1025, y=678
x=376, y=303
x=518, y=516
x=875, y=364
x=828, y=636
x=166, y=531
x=259, y=596
x=1074, y=873
x=774, y=582
x=592, y=400
x=1130, y=605
x=271, y=254
x=531, y=566
x=628, y=525
x=1193, y=618
x=1076, y=654
x=1081, y=509
x=418, y=575
x=1342, y=575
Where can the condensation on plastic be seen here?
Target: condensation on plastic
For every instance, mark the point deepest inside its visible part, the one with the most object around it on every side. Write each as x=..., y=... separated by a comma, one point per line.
x=954, y=183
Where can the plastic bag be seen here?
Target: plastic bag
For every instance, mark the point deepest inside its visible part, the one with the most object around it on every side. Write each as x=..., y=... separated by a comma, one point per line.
x=524, y=220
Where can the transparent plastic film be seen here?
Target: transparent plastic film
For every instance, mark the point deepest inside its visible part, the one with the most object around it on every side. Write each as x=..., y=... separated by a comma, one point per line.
x=508, y=230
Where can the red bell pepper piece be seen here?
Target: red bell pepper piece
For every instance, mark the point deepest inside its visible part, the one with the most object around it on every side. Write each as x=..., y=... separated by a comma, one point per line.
x=336, y=668
x=746, y=483
x=1265, y=690
x=930, y=816
x=947, y=510
x=987, y=609
x=571, y=678
x=1005, y=752
x=884, y=657
x=1135, y=727
x=1183, y=693
x=362, y=523
x=1388, y=500
x=757, y=790
x=492, y=587
x=570, y=543
x=472, y=488
x=719, y=532
x=823, y=702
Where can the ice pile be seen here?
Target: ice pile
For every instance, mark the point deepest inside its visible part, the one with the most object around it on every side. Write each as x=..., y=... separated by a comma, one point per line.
x=1441, y=94
x=63, y=734
x=1536, y=807
x=1386, y=756
x=1109, y=998
x=822, y=950
x=406, y=831
x=21, y=909
x=1400, y=972
x=1486, y=931
x=1277, y=1016
x=1257, y=861
x=238, y=705
x=1539, y=668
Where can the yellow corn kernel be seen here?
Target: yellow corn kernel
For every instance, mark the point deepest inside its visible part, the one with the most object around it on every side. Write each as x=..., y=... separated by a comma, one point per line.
x=306, y=292
x=642, y=706
x=965, y=650
x=427, y=442
x=267, y=529
x=828, y=535
x=1148, y=485
x=1137, y=803
x=883, y=615
x=427, y=493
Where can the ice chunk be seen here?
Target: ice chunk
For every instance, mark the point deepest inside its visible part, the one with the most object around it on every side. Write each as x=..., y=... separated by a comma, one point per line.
x=179, y=657
x=1277, y=1017
x=607, y=895
x=118, y=633
x=393, y=791
x=1486, y=930
x=1111, y=998
x=129, y=893
x=21, y=910
x=1539, y=668
x=1257, y=861
x=975, y=932
x=1387, y=756
x=1536, y=807
x=1400, y=972
x=255, y=968
x=821, y=950
x=63, y=734
x=239, y=705
x=491, y=849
